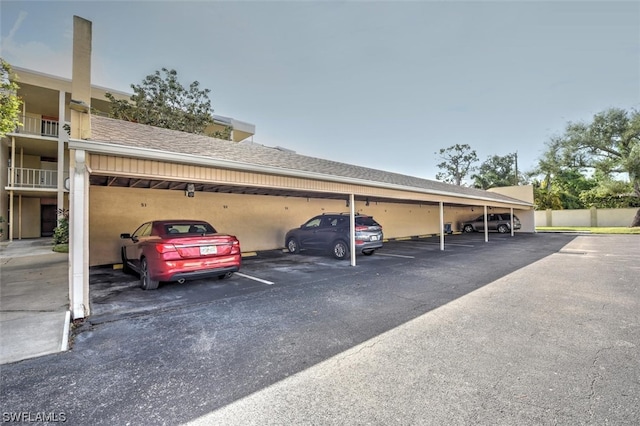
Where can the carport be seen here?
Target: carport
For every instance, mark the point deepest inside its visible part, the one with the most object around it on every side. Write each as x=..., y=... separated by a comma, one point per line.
x=122, y=156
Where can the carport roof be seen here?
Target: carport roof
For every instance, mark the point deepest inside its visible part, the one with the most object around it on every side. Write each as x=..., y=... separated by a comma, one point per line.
x=138, y=140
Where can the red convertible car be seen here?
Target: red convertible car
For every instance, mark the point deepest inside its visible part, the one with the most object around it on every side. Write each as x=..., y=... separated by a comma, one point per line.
x=178, y=250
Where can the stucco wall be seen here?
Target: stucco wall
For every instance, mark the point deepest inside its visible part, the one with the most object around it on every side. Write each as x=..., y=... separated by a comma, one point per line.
x=260, y=222
x=615, y=217
x=519, y=192
x=30, y=223
x=584, y=217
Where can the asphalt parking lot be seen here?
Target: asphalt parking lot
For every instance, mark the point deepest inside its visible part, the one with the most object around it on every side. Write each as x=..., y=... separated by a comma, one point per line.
x=532, y=329
x=115, y=294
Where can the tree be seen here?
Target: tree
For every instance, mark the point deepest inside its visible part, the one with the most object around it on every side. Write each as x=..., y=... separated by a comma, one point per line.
x=162, y=101
x=610, y=144
x=457, y=164
x=9, y=101
x=497, y=171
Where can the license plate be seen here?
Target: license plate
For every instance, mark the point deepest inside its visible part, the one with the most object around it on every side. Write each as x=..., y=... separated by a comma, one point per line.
x=374, y=238
x=204, y=250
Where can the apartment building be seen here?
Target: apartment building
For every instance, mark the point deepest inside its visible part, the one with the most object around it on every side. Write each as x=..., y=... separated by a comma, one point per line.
x=35, y=157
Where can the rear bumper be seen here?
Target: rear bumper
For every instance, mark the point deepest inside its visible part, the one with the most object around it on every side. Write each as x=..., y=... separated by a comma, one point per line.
x=175, y=270
x=369, y=245
x=196, y=275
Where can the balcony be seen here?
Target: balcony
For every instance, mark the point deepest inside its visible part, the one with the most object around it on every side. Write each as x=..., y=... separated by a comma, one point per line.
x=32, y=178
x=38, y=126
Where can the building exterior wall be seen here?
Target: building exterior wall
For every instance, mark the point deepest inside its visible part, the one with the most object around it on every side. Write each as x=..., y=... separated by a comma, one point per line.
x=30, y=217
x=520, y=192
x=585, y=217
x=260, y=222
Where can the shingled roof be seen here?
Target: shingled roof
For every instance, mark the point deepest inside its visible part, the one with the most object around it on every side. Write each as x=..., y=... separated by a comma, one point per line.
x=134, y=135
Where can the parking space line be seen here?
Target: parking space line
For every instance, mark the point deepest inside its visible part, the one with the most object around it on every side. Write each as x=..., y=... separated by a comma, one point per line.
x=255, y=278
x=395, y=255
x=451, y=244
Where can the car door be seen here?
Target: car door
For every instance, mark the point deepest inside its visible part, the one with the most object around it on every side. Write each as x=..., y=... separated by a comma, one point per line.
x=478, y=223
x=308, y=234
x=492, y=221
x=133, y=246
x=329, y=230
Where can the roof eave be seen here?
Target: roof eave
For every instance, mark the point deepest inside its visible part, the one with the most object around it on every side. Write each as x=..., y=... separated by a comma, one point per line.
x=168, y=156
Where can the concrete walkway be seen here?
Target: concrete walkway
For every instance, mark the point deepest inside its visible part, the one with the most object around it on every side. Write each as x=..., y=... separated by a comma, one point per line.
x=34, y=301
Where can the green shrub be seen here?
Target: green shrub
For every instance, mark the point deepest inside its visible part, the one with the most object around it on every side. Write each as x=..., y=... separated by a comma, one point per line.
x=61, y=232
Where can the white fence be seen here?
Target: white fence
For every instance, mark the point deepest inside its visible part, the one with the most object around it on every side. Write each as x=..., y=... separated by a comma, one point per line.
x=592, y=217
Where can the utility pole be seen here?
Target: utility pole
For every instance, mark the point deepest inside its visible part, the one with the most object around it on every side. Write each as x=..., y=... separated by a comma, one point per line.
x=515, y=156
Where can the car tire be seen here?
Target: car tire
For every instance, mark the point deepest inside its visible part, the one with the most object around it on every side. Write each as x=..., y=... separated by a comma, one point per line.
x=125, y=266
x=225, y=276
x=340, y=250
x=293, y=246
x=145, y=280
x=468, y=228
x=503, y=229
x=368, y=252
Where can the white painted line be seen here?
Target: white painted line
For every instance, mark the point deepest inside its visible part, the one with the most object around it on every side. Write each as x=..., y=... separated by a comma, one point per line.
x=255, y=279
x=395, y=255
x=65, y=332
x=451, y=244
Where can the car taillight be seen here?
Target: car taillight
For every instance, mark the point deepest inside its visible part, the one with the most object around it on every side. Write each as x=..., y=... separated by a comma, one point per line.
x=165, y=248
x=361, y=228
x=235, y=247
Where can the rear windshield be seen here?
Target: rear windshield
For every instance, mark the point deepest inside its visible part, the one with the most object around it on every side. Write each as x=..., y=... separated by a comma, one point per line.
x=366, y=221
x=189, y=228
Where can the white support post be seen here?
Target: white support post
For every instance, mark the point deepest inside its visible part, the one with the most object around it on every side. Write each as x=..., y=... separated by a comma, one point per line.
x=441, y=226
x=61, y=141
x=78, y=236
x=511, y=221
x=486, y=226
x=352, y=226
x=12, y=181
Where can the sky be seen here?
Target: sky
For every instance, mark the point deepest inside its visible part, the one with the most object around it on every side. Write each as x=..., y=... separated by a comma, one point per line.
x=380, y=84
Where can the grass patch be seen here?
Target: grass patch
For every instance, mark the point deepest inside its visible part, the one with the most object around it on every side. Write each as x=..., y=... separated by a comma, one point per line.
x=592, y=230
x=61, y=248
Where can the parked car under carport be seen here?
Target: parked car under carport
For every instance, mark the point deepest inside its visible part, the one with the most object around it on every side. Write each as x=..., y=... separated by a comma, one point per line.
x=500, y=222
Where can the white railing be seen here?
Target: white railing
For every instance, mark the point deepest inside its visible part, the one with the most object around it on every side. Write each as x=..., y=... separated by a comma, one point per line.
x=32, y=178
x=38, y=126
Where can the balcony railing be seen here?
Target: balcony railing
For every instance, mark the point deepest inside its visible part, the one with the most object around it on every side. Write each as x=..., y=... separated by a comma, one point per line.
x=38, y=126
x=33, y=178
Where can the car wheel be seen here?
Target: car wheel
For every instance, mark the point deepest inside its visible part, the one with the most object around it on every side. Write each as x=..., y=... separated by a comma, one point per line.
x=125, y=266
x=145, y=280
x=503, y=229
x=225, y=276
x=468, y=228
x=368, y=252
x=340, y=249
x=293, y=246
